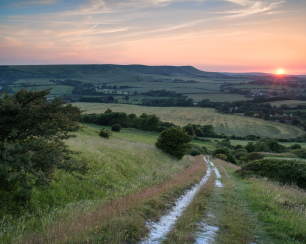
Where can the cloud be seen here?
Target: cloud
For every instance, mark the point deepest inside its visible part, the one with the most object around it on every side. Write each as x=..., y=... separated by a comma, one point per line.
x=38, y=2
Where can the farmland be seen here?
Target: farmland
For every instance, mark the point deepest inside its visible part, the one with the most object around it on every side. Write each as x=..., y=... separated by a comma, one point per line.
x=223, y=123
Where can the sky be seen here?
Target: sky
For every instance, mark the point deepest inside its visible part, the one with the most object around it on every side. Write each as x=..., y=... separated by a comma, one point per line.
x=211, y=35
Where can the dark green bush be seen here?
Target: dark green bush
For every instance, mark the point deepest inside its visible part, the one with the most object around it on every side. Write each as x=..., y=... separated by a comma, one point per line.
x=301, y=153
x=174, y=141
x=253, y=156
x=283, y=171
x=295, y=146
x=105, y=133
x=195, y=150
x=224, y=150
x=241, y=152
x=116, y=127
x=238, y=147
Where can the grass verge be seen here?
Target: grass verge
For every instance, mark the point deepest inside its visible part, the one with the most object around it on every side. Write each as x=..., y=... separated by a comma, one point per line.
x=122, y=220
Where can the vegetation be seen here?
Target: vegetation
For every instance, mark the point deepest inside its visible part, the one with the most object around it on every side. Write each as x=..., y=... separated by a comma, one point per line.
x=31, y=143
x=222, y=123
x=174, y=141
x=116, y=127
x=283, y=171
x=105, y=133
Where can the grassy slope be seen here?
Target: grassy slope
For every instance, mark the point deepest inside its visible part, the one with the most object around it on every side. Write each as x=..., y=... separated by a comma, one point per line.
x=223, y=123
x=121, y=165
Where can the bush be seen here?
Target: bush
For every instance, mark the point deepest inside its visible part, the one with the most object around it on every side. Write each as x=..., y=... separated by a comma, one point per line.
x=105, y=133
x=224, y=150
x=240, y=153
x=238, y=147
x=250, y=147
x=174, y=141
x=301, y=153
x=283, y=171
x=253, y=156
x=295, y=146
x=116, y=127
x=196, y=150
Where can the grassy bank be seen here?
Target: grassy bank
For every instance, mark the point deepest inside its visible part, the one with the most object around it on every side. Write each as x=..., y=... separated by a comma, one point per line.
x=122, y=165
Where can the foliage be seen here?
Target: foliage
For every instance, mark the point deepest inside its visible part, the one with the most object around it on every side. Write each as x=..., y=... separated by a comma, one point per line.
x=195, y=150
x=31, y=142
x=253, y=156
x=174, y=141
x=116, y=127
x=226, y=143
x=241, y=152
x=105, y=133
x=301, y=153
x=283, y=171
x=225, y=151
x=295, y=146
x=189, y=130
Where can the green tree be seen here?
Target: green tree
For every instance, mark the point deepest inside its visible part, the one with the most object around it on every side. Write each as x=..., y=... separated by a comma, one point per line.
x=189, y=129
x=31, y=142
x=250, y=147
x=116, y=127
x=174, y=141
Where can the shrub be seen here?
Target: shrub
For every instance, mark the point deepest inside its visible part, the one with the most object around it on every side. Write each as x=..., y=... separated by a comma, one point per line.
x=174, y=141
x=283, y=171
x=195, y=150
x=250, y=147
x=105, y=133
x=238, y=147
x=224, y=150
x=295, y=146
x=301, y=153
x=116, y=127
x=241, y=152
x=189, y=129
x=253, y=156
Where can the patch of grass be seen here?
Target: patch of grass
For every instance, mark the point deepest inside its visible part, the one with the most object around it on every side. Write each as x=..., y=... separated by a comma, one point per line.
x=281, y=209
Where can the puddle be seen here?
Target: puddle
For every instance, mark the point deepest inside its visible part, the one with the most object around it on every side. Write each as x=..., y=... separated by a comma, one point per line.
x=206, y=236
x=166, y=222
x=218, y=183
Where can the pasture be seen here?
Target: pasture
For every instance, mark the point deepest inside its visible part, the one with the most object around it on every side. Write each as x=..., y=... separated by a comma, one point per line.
x=223, y=123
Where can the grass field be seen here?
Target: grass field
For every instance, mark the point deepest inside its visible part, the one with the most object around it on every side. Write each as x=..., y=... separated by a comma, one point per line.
x=223, y=123
x=218, y=97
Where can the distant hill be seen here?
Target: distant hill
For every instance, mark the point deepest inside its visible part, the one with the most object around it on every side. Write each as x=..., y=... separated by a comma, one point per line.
x=76, y=71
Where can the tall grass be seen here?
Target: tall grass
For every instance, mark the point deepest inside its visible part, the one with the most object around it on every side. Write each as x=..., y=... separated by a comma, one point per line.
x=119, y=168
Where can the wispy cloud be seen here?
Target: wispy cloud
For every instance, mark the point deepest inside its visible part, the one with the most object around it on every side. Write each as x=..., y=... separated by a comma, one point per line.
x=38, y=2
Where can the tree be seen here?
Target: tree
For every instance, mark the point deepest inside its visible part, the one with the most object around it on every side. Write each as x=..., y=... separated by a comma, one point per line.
x=116, y=127
x=31, y=142
x=250, y=147
x=189, y=129
x=174, y=141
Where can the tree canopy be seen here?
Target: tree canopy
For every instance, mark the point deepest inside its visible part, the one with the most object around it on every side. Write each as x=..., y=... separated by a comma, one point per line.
x=174, y=141
x=31, y=141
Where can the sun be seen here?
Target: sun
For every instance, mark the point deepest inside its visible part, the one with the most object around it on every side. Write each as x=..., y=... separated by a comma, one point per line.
x=280, y=71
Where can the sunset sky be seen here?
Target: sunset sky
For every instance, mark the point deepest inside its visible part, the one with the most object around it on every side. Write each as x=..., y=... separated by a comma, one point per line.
x=212, y=35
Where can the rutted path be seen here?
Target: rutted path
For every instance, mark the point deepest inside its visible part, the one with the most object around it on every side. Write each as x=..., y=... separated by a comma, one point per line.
x=160, y=229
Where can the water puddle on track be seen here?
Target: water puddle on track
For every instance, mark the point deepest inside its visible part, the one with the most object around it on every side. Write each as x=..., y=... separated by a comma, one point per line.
x=160, y=229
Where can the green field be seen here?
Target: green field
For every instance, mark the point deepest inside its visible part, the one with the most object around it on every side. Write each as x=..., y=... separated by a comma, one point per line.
x=223, y=123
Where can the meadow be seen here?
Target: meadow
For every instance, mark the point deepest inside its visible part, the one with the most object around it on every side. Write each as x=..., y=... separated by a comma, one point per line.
x=223, y=123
